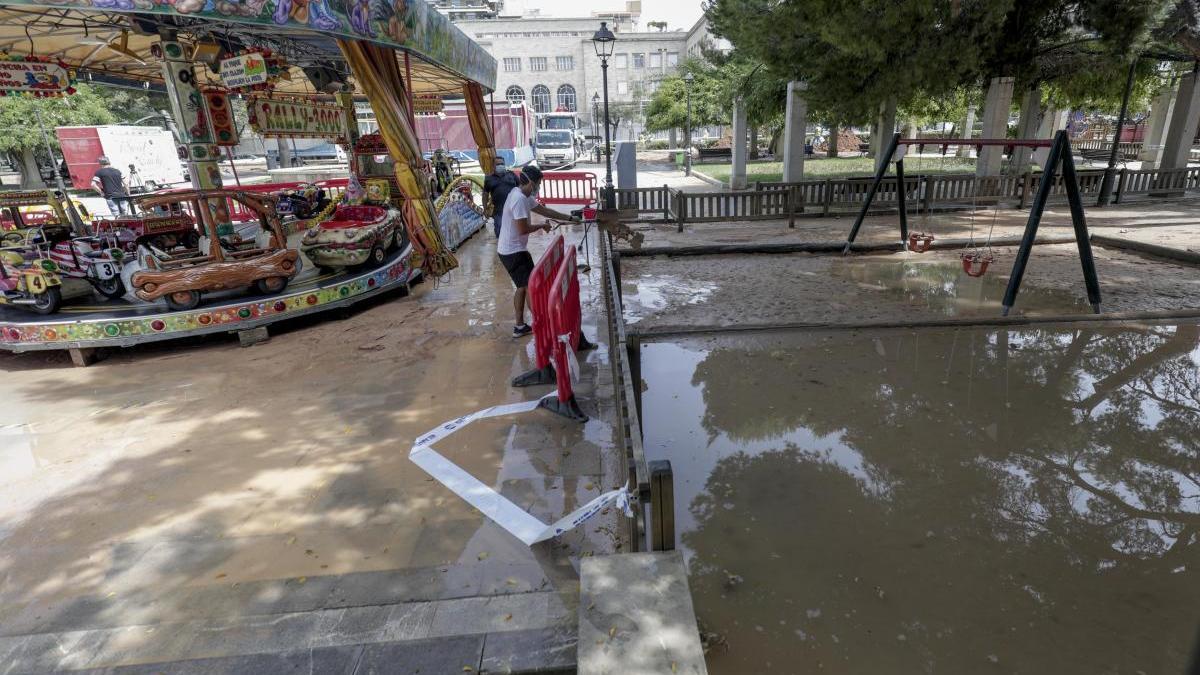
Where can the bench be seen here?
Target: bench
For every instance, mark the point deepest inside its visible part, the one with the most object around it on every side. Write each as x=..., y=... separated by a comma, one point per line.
x=703, y=154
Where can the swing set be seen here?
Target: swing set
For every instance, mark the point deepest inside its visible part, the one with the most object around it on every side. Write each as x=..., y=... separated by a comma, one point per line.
x=975, y=259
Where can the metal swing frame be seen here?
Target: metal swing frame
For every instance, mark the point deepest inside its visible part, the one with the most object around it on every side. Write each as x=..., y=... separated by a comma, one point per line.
x=1059, y=159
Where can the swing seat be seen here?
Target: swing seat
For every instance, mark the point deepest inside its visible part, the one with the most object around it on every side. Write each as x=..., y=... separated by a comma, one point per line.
x=975, y=264
x=919, y=242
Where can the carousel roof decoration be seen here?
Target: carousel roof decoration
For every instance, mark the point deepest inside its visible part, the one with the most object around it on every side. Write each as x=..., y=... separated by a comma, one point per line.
x=112, y=39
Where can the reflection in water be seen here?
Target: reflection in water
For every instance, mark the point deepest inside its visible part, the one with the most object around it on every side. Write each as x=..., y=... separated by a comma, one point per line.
x=943, y=287
x=654, y=292
x=937, y=501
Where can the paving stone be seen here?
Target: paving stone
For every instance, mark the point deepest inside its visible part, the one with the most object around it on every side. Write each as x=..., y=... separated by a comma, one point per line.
x=439, y=656
x=354, y=625
x=547, y=650
x=415, y=584
x=501, y=613
x=324, y=660
x=410, y=621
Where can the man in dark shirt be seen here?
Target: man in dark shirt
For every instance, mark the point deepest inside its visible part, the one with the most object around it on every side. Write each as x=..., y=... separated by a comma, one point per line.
x=495, y=192
x=109, y=182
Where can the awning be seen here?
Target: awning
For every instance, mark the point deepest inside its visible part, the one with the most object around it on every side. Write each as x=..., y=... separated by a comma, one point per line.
x=115, y=41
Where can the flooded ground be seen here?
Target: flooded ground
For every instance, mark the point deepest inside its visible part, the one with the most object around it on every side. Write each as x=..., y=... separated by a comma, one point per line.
x=668, y=293
x=938, y=501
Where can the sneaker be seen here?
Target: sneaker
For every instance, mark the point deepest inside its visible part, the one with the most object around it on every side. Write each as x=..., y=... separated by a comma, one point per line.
x=521, y=331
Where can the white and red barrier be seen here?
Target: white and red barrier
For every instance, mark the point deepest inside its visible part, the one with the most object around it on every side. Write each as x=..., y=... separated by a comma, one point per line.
x=565, y=318
x=539, y=293
x=567, y=187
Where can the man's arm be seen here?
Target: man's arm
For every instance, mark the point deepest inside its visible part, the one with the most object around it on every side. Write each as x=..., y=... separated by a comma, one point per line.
x=97, y=185
x=542, y=210
x=524, y=226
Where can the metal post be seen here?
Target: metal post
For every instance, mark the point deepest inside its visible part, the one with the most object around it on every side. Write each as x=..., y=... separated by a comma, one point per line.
x=662, y=506
x=1107, y=185
x=901, y=190
x=687, y=137
x=1082, y=238
x=229, y=153
x=609, y=197
x=883, y=165
x=72, y=215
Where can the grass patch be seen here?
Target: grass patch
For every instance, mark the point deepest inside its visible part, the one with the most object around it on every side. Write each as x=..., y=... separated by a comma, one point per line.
x=820, y=168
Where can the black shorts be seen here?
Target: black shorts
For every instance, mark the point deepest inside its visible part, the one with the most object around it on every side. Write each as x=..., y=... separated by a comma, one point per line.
x=519, y=266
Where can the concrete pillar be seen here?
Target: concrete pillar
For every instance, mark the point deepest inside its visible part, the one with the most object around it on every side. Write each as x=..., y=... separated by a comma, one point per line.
x=1027, y=127
x=1156, y=127
x=995, y=125
x=886, y=126
x=967, y=130
x=795, y=121
x=1182, y=129
x=1052, y=121
x=737, y=177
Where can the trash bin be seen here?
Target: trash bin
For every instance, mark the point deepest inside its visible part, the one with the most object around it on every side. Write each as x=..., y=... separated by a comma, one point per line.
x=680, y=158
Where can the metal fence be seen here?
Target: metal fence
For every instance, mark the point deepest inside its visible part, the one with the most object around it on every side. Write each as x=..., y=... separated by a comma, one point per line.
x=1128, y=150
x=653, y=525
x=776, y=200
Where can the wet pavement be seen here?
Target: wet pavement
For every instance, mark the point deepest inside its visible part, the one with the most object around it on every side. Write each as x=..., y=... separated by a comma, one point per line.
x=202, y=481
x=941, y=501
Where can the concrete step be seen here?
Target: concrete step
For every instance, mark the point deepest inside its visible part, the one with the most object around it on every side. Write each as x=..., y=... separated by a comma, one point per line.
x=636, y=616
x=545, y=652
x=510, y=607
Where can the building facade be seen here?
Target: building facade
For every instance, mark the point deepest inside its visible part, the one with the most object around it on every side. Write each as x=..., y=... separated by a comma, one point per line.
x=551, y=64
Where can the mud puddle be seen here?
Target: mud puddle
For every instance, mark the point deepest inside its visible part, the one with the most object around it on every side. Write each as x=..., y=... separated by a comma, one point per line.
x=943, y=287
x=937, y=501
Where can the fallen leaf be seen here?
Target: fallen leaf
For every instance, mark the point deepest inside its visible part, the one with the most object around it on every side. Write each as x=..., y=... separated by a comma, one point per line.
x=589, y=486
x=292, y=540
x=111, y=594
x=468, y=669
x=508, y=617
x=222, y=575
x=483, y=556
x=511, y=581
x=612, y=631
x=673, y=666
x=302, y=580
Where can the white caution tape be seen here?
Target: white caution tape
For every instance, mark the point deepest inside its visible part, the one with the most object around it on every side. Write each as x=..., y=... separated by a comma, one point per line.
x=492, y=504
x=572, y=360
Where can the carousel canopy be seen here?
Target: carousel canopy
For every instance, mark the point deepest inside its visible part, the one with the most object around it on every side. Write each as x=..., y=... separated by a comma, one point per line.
x=113, y=38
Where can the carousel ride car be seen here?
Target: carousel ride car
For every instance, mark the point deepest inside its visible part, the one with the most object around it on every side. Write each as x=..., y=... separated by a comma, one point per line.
x=264, y=263
x=358, y=233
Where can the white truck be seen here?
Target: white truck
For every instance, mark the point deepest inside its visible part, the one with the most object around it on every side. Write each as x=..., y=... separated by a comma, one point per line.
x=149, y=150
x=555, y=148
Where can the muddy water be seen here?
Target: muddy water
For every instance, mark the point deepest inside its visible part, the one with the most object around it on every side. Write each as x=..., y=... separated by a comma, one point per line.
x=944, y=288
x=937, y=501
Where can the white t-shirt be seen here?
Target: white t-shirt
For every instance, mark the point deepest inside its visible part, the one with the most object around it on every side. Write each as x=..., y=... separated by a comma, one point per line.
x=516, y=206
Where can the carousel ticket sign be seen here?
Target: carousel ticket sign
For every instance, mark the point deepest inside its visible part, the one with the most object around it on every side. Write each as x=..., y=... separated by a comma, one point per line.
x=244, y=71
x=288, y=117
x=34, y=76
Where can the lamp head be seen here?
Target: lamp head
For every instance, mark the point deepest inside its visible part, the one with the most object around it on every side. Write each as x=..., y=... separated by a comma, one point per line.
x=604, y=41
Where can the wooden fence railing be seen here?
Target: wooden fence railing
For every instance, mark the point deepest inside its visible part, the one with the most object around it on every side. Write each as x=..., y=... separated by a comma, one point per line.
x=1128, y=149
x=775, y=200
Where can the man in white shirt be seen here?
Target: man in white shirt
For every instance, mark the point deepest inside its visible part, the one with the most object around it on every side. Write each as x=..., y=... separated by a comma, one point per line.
x=515, y=228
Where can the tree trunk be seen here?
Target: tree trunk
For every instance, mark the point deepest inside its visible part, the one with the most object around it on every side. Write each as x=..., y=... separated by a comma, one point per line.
x=31, y=176
x=753, y=142
x=832, y=147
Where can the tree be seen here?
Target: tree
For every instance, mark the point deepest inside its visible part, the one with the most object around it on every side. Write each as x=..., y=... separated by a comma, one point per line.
x=23, y=144
x=660, y=25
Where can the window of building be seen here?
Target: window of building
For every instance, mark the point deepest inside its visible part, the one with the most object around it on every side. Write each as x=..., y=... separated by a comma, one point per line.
x=540, y=98
x=566, y=62
x=622, y=87
x=566, y=98
x=515, y=94
x=656, y=59
x=621, y=61
x=639, y=60
x=537, y=64
x=672, y=59
x=512, y=65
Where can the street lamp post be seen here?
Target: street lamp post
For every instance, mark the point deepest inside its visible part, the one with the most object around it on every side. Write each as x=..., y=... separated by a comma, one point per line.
x=596, y=122
x=687, y=136
x=604, y=41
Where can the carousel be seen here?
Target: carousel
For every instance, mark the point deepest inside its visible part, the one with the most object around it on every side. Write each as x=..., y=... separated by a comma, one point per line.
x=217, y=258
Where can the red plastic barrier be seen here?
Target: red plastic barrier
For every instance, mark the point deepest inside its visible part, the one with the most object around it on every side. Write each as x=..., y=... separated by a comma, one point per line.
x=565, y=318
x=568, y=187
x=543, y=336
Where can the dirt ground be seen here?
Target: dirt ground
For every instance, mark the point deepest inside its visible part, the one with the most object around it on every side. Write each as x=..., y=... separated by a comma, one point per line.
x=128, y=487
x=664, y=293
x=1175, y=224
